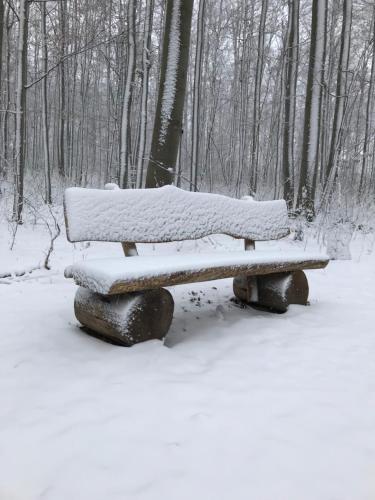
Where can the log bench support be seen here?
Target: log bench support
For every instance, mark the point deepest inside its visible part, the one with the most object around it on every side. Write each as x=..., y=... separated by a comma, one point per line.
x=125, y=319
x=274, y=292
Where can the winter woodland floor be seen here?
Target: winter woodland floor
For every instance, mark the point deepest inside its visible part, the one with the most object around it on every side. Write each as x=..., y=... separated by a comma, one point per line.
x=237, y=404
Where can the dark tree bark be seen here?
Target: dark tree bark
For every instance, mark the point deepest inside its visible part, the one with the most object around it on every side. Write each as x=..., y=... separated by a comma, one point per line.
x=47, y=166
x=2, y=169
x=125, y=135
x=1, y=39
x=257, y=94
x=365, y=152
x=291, y=71
x=309, y=161
x=23, y=15
x=146, y=63
x=197, y=97
x=62, y=90
x=340, y=98
x=169, y=112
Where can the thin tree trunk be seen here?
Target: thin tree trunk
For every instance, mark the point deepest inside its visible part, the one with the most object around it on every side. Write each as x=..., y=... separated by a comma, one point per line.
x=21, y=110
x=1, y=43
x=197, y=96
x=125, y=135
x=309, y=160
x=365, y=152
x=257, y=93
x=47, y=166
x=169, y=112
x=291, y=71
x=2, y=164
x=341, y=88
x=144, y=96
x=62, y=90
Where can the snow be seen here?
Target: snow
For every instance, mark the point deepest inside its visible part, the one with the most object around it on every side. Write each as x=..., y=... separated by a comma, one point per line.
x=116, y=312
x=101, y=274
x=237, y=403
x=169, y=90
x=168, y=214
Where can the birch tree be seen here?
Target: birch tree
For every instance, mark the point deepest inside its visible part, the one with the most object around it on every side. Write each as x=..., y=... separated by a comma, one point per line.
x=169, y=111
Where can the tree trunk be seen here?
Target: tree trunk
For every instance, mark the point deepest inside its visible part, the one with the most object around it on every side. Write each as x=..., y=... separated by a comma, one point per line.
x=47, y=166
x=197, y=97
x=2, y=165
x=169, y=112
x=365, y=152
x=257, y=92
x=309, y=161
x=62, y=90
x=291, y=71
x=1, y=42
x=125, y=135
x=340, y=98
x=21, y=110
x=144, y=97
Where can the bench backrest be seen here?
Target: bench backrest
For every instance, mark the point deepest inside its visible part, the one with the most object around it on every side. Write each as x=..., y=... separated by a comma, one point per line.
x=168, y=214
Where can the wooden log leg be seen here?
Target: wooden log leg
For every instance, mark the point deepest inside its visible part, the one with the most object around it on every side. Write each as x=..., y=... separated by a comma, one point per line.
x=273, y=291
x=125, y=319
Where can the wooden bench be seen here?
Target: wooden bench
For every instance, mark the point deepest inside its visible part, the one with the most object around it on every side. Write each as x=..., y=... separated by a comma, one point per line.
x=123, y=299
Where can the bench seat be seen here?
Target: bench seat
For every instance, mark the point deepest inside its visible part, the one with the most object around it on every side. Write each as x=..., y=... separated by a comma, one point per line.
x=121, y=275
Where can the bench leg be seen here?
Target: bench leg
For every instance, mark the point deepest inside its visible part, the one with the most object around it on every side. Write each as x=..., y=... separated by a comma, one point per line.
x=125, y=319
x=272, y=291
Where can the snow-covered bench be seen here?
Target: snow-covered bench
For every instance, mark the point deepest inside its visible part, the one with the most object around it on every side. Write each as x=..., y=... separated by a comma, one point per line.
x=124, y=300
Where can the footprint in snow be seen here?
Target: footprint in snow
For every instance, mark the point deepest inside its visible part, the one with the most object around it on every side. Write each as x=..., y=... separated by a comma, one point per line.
x=220, y=313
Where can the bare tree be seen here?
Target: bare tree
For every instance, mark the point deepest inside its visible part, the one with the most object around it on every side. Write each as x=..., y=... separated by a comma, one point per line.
x=369, y=112
x=197, y=96
x=127, y=99
x=62, y=88
x=309, y=161
x=341, y=88
x=1, y=40
x=169, y=111
x=47, y=166
x=23, y=15
x=149, y=11
x=290, y=82
x=257, y=95
x=1, y=74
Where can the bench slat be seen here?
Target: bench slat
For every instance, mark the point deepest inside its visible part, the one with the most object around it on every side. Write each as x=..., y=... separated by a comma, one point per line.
x=114, y=276
x=168, y=214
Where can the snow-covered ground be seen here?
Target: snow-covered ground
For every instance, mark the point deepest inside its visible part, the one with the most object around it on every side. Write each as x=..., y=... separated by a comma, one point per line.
x=236, y=404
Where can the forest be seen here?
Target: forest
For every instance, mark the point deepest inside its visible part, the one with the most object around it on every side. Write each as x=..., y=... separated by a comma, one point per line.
x=279, y=101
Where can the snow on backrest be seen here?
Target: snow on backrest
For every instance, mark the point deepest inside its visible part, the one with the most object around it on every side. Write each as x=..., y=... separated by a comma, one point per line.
x=168, y=214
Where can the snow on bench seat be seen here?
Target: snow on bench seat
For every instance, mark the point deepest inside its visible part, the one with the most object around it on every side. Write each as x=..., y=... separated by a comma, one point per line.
x=168, y=214
x=128, y=274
